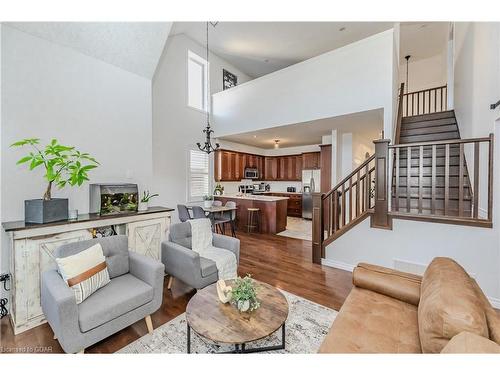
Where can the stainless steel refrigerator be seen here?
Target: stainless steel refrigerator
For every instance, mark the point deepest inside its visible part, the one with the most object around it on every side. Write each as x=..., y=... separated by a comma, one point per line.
x=311, y=183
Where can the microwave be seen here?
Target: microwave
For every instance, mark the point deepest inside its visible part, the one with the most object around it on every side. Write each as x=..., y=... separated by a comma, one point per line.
x=251, y=173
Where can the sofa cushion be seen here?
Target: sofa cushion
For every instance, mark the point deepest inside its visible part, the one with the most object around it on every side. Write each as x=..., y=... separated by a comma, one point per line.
x=123, y=294
x=467, y=342
x=392, y=283
x=369, y=322
x=115, y=249
x=208, y=267
x=85, y=272
x=448, y=305
x=492, y=315
x=180, y=233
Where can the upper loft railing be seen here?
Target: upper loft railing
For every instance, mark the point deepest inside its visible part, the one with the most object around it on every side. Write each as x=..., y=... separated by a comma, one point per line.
x=426, y=101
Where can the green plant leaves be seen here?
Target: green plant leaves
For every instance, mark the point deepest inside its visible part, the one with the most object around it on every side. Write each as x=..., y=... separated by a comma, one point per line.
x=63, y=164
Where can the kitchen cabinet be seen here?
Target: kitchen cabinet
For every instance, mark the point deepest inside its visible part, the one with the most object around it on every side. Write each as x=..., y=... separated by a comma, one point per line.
x=294, y=203
x=270, y=168
x=231, y=165
x=311, y=160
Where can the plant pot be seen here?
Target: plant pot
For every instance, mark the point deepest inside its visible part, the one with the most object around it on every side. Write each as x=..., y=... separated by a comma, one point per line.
x=208, y=204
x=40, y=211
x=143, y=206
x=243, y=306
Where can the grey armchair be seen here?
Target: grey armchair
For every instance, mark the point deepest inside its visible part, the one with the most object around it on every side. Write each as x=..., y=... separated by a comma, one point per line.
x=185, y=264
x=134, y=292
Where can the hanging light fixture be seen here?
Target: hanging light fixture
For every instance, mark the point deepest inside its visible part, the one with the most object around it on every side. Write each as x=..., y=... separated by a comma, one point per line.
x=407, y=57
x=276, y=143
x=207, y=147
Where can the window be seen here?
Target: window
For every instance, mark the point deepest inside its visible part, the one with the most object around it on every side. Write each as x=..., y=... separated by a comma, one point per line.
x=198, y=183
x=197, y=82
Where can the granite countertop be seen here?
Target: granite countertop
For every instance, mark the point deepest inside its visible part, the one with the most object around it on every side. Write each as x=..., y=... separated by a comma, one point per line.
x=284, y=192
x=263, y=198
x=20, y=225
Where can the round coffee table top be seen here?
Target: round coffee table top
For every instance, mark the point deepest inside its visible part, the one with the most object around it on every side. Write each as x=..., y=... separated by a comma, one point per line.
x=223, y=323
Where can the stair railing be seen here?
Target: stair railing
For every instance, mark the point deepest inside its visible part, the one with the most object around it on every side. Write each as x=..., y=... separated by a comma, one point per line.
x=426, y=101
x=455, y=206
x=342, y=207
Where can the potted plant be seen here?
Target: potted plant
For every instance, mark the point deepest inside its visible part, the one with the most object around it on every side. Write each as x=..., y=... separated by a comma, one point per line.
x=64, y=165
x=219, y=189
x=146, y=197
x=208, y=200
x=244, y=294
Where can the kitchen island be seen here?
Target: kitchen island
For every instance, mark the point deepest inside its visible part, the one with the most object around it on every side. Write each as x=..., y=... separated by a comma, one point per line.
x=273, y=211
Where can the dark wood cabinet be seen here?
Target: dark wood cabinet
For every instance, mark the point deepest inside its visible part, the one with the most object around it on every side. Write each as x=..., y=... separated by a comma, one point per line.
x=294, y=203
x=311, y=160
x=270, y=168
x=230, y=165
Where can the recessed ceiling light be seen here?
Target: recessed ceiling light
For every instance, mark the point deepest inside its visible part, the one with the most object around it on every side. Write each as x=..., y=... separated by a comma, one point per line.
x=255, y=136
x=342, y=28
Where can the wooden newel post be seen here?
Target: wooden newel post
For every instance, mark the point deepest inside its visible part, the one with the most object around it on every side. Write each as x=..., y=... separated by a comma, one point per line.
x=380, y=217
x=317, y=228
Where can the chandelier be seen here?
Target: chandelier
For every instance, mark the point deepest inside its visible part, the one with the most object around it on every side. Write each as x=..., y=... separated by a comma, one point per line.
x=207, y=147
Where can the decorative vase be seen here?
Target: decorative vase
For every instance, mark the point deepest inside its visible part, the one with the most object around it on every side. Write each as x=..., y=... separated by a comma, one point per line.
x=243, y=306
x=143, y=206
x=208, y=204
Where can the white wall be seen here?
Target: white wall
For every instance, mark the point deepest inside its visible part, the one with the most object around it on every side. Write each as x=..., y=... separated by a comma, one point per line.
x=50, y=91
x=476, y=86
x=354, y=78
x=425, y=73
x=177, y=127
x=476, y=249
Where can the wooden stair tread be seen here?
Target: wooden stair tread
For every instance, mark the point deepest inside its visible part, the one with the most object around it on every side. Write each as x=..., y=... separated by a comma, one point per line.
x=428, y=116
x=428, y=123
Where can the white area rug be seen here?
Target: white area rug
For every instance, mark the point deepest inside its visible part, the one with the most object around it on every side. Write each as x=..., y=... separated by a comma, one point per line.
x=306, y=326
x=297, y=228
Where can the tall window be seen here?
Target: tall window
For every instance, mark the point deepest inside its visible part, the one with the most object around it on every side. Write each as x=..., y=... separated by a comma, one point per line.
x=197, y=82
x=198, y=175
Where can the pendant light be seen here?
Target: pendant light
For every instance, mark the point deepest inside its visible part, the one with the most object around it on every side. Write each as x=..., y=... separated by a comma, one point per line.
x=407, y=57
x=207, y=147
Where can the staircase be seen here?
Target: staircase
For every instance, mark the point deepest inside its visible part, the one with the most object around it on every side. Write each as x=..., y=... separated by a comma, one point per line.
x=429, y=179
x=414, y=193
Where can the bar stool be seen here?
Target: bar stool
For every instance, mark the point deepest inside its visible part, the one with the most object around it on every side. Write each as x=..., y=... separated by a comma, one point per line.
x=253, y=219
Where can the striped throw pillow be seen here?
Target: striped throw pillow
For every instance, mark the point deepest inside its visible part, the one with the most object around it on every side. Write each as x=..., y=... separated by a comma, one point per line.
x=85, y=272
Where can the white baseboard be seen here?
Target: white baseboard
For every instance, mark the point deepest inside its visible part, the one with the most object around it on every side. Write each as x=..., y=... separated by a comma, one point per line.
x=495, y=302
x=339, y=265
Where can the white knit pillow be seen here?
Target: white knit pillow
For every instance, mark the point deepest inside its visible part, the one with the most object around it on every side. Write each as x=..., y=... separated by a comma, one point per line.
x=84, y=272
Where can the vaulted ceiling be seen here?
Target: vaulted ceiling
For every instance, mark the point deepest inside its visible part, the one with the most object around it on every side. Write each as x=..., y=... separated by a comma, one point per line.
x=133, y=46
x=259, y=48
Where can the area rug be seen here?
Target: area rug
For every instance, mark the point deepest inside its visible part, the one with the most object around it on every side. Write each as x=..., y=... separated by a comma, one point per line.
x=306, y=327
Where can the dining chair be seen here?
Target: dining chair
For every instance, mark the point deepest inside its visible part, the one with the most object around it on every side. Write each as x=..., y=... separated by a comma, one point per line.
x=198, y=213
x=183, y=212
x=231, y=215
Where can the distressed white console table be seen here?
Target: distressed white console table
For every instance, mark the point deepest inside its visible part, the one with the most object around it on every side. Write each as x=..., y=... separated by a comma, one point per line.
x=31, y=247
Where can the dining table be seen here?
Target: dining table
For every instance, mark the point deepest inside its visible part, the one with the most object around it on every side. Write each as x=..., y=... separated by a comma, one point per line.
x=213, y=213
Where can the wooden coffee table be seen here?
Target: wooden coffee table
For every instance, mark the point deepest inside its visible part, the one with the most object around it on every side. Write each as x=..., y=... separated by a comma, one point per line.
x=223, y=323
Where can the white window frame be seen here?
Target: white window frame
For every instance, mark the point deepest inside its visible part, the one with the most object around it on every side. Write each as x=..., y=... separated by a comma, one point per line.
x=190, y=196
x=193, y=57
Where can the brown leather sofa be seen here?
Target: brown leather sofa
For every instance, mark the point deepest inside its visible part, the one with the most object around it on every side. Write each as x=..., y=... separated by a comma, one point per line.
x=389, y=311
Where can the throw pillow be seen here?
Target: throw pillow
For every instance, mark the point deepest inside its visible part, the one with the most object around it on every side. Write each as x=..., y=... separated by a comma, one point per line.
x=85, y=272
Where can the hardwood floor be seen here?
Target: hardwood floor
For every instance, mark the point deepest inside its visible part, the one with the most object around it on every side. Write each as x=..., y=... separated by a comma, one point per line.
x=280, y=261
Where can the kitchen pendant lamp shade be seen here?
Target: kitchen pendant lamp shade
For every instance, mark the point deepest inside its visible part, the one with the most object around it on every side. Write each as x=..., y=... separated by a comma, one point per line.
x=207, y=146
